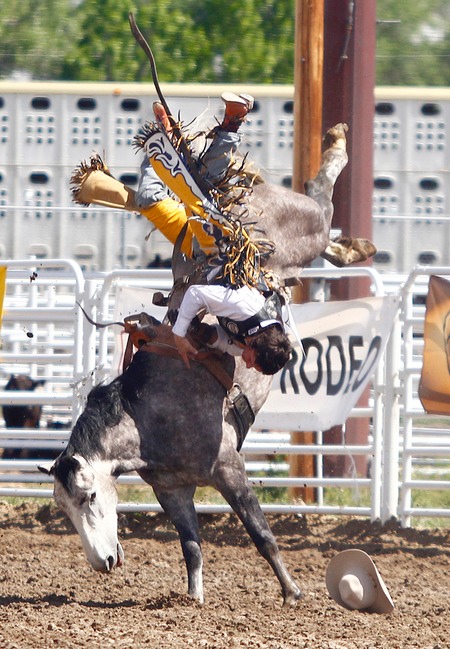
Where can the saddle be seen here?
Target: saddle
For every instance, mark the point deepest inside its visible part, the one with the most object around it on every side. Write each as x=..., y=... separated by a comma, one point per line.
x=147, y=334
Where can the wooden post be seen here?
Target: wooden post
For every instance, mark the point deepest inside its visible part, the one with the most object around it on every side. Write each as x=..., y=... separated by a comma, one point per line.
x=308, y=73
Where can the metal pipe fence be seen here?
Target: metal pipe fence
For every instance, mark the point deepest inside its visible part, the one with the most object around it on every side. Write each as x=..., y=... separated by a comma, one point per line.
x=72, y=356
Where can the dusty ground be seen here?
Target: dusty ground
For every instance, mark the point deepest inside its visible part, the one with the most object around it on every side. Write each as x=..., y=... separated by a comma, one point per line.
x=50, y=597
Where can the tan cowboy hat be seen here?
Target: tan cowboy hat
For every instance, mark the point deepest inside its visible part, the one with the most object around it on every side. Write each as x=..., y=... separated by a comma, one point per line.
x=354, y=582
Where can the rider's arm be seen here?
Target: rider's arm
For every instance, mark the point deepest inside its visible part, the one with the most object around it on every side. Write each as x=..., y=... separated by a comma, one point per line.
x=191, y=304
x=194, y=300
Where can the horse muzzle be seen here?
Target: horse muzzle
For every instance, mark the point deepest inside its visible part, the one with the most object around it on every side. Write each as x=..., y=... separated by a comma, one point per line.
x=111, y=561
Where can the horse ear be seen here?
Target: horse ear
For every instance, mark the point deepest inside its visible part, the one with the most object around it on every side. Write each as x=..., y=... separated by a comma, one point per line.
x=46, y=468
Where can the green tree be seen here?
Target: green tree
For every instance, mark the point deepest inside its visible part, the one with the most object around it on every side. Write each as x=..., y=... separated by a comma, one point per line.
x=35, y=35
x=192, y=40
x=416, y=50
x=107, y=51
x=239, y=41
x=251, y=40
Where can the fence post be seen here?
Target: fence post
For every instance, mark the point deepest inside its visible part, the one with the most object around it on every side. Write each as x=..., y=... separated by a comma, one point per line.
x=85, y=375
x=391, y=424
x=408, y=327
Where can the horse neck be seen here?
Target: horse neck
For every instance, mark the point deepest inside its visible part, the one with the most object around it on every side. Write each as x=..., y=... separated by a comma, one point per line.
x=116, y=448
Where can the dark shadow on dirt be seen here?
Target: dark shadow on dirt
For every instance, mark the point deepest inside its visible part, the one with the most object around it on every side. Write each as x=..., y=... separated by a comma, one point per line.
x=127, y=603
x=25, y=516
x=15, y=599
x=390, y=537
x=293, y=532
x=170, y=601
x=52, y=600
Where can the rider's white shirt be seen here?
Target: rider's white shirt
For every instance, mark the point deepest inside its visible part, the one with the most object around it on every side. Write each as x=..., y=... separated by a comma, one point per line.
x=237, y=304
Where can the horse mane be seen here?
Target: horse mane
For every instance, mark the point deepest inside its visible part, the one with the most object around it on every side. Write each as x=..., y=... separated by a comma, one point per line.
x=140, y=371
x=103, y=410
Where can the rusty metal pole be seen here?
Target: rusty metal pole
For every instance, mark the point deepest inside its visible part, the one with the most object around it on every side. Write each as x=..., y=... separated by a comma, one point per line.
x=308, y=83
x=348, y=96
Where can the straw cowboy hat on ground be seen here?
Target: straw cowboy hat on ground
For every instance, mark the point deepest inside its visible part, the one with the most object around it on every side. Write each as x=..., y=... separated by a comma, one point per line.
x=354, y=582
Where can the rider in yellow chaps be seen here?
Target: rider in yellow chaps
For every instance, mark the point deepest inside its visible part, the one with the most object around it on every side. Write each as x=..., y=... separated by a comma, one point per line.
x=162, y=168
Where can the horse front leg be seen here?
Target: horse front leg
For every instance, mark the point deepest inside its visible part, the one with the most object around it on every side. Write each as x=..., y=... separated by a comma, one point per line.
x=179, y=507
x=232, y=482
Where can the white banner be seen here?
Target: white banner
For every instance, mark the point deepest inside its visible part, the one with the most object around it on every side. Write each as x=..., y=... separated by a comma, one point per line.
x=342, y=344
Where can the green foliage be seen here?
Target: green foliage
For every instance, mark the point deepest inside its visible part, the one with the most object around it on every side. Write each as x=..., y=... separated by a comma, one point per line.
x=107, y=50
x=239, y=41
x=203, y=41
x=192, y=41
x=416, y=51
x=250, y=40
x=35, y=35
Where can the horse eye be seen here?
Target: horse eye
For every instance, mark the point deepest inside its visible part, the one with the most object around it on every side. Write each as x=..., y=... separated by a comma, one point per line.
x=92, y=497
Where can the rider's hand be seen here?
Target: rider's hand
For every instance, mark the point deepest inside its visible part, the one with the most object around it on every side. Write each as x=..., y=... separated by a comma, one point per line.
x=184, y=348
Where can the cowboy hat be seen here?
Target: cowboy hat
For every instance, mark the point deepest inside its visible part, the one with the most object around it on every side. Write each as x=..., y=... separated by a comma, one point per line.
x=354, y=582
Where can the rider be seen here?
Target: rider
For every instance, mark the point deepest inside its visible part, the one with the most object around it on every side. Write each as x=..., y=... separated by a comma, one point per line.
x=251, y=324
x=154, y=199
x=94, y=184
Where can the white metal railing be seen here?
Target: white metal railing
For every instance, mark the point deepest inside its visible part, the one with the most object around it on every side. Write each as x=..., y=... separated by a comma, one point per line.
x=412, y=445
x=105, y=302
x=98, y=300
x=42, y=311
x=72, y=356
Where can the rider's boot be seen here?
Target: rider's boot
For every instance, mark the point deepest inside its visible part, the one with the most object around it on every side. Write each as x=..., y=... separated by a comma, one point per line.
x=236, y=109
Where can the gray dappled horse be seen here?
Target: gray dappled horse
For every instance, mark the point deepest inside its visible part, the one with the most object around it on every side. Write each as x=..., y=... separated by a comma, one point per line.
x=175, y=425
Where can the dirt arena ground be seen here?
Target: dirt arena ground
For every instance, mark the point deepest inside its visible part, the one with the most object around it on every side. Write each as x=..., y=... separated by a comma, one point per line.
x=50, y=597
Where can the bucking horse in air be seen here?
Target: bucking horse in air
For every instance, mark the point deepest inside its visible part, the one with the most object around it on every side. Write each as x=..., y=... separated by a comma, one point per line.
x=180, y=428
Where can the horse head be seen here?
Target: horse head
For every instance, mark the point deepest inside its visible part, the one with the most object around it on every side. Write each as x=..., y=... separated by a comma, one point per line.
x=86, y=492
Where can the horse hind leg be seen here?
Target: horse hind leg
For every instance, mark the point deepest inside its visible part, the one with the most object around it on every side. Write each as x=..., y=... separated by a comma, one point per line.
x=235, y=488
x=334, y=159
x=347, y=250
x=179, y=507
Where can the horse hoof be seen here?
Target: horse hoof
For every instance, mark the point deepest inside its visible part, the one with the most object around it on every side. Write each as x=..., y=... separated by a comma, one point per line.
x=335, y=137
x=291, y=598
